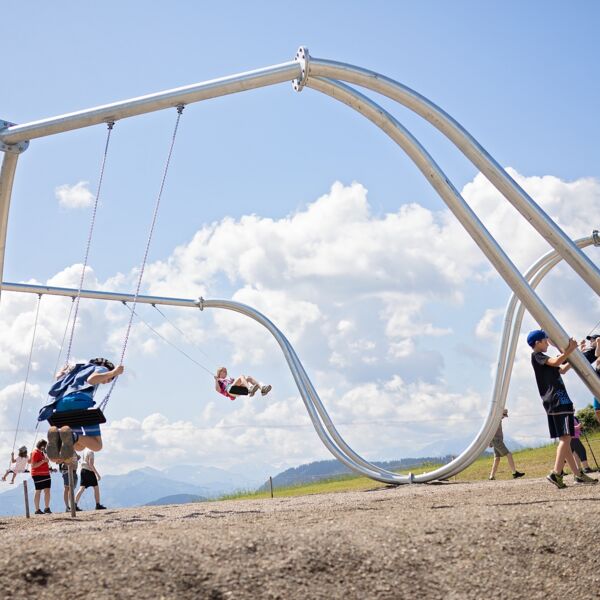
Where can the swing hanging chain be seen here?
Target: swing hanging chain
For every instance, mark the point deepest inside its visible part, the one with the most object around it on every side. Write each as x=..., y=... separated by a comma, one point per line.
x=33, y=335
x=183, y=334
x=64, y=337
x=110, y=126
x=147, y=251
x=167, y=341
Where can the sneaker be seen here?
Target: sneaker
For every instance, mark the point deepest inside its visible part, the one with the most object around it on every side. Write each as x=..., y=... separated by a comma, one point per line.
x=53, y=447
x=265, y=389
x=556, y=480
x=583, y=478
x=100, y=507
x=67, y=509
x=38, y=512
x=492, y=478
x=47, y=511
x=253, y=389
x=589, y=470
x=77, y=509
x=517, y=474
x=66, y=449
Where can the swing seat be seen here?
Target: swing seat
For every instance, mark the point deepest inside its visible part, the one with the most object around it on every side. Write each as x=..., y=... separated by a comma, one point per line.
x=75, y=418
x=238, y=390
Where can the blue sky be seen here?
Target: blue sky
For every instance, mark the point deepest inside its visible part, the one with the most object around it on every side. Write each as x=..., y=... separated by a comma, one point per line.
x=521, y=77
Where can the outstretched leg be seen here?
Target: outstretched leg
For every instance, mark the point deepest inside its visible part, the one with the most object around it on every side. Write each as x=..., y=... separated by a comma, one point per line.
x=93, y=442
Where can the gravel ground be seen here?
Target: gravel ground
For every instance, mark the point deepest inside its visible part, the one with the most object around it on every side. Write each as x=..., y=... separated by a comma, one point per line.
x=502, y=539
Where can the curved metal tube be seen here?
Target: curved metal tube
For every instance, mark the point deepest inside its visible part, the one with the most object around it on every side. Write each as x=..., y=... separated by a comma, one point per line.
x=512, y=327
x=461, y=210
x=471, y=148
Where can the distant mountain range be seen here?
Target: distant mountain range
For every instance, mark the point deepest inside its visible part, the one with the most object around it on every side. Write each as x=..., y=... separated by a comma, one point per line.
x=197, y=483
x=181, y=483
x=325, y=469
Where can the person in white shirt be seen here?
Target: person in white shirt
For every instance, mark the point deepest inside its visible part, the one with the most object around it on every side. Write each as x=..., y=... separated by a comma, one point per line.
x=89, y=478
x=18, y=464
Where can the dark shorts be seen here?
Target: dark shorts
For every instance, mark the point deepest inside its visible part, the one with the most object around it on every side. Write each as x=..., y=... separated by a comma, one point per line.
x=500, y=448
x=560, y=425
x=578, y=448
x=88, y=478
x=66, y=479
x=41, y=482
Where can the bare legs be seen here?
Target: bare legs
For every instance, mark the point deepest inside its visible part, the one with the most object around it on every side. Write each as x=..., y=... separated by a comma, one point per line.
x=563, y=453
x=36, y=498
x=96, y=494
x=496, y=463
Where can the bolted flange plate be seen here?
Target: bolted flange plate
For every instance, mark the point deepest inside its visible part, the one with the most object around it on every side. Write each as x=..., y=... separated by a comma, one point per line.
x=302, y=57
x=11, y=148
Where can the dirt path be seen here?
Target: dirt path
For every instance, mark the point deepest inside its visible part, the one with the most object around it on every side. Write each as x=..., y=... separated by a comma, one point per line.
x=503, y=539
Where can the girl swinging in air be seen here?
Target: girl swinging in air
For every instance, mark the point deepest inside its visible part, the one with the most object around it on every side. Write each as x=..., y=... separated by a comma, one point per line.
x=244, y=385
x=17, y=464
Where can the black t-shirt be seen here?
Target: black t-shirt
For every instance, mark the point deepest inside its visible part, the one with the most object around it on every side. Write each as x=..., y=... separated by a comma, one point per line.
x=550, y=385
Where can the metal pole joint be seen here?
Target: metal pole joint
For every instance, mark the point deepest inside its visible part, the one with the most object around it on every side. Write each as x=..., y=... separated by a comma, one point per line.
x=596, y=237
x=302, y=57
x=17, y=148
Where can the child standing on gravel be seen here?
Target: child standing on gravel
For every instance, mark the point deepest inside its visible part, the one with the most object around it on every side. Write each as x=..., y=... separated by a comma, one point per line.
x=557, y=404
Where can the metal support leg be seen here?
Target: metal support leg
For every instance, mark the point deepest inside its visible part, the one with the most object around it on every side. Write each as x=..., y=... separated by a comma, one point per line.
x=7, y=176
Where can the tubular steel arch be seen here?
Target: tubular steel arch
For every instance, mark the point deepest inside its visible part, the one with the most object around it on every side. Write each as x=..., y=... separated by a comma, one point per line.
x=322, y=75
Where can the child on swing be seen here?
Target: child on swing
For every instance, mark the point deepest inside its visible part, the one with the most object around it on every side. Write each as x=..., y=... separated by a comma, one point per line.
x=18, y=465
x=73, y=390
x=244, y=385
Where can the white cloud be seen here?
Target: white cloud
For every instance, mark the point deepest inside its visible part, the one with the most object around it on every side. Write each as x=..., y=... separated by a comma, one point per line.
x=365, y=300
x=74, y=196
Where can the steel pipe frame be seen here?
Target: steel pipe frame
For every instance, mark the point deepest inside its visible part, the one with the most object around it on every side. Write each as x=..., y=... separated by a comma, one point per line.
x=469, y=146
x=462, y=211
x=276, y=74
x=512, y=327
x=318, y=416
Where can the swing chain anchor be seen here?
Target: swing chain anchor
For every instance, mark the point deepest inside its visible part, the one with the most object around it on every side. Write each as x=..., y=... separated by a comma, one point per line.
x=200, y=303
x=17, y=148
x=180, y=108
x=596, y=237
x=302, y=57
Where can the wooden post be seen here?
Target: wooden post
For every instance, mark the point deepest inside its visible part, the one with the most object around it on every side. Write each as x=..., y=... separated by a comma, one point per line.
x=271, y=485
x=26, y=499
x=72, y=490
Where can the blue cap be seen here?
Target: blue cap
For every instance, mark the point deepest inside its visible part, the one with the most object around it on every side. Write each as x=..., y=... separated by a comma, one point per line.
x=535, y=336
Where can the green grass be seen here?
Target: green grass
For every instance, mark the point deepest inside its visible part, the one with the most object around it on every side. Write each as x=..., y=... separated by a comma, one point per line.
x=535, y=462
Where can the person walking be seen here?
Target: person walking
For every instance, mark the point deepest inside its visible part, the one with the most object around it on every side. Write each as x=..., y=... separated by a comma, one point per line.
x=501, y=450
x=89, y=478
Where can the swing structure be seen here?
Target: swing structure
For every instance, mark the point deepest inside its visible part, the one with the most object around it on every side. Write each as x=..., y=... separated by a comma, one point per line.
x=332, y=78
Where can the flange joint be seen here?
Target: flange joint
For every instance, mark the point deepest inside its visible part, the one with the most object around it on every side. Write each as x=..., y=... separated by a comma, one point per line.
x=302, y=57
